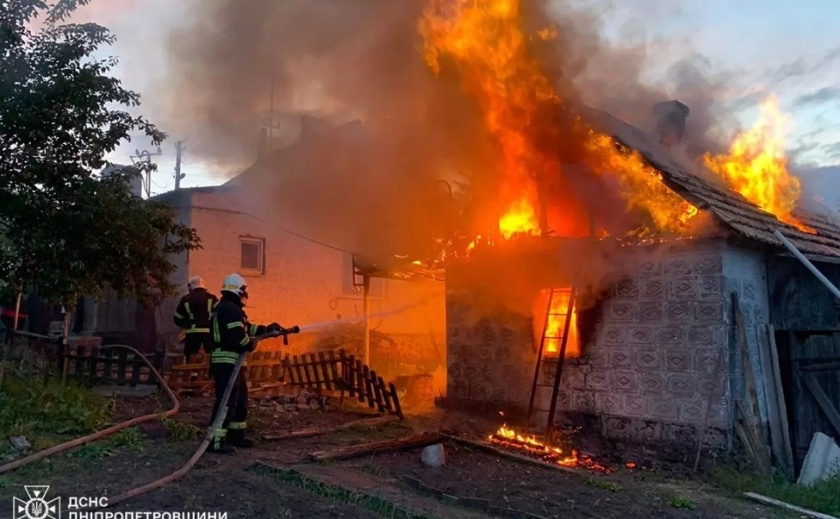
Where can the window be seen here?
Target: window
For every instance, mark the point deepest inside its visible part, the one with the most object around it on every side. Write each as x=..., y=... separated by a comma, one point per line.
x=252, y=255
x=554, y=319
x=352, y=283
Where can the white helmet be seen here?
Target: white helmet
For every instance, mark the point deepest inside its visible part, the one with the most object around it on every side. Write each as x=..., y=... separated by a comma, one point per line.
x=235, y=284
x=195, y=282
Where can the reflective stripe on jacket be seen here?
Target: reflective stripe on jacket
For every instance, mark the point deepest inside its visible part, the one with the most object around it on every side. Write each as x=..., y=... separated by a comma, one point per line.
x=193, y=311
x=231, y=331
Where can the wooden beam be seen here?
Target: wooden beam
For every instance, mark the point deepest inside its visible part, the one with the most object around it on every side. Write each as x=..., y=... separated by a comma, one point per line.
x=780, y=395
x=355, y=451
x=823, y=400
x=317, y=431
x=512, y=455
x=787, y=506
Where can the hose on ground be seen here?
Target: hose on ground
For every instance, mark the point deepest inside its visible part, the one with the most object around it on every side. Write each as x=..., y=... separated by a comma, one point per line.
x=176, y=405
x=202, y=448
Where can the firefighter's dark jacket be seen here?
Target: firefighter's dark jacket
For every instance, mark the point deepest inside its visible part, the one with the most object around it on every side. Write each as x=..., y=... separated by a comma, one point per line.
x=231, y=330
x=193, y=311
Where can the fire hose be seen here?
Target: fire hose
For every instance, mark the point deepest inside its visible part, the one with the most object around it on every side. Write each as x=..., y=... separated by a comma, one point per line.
x=104, y=432
x=211, y=433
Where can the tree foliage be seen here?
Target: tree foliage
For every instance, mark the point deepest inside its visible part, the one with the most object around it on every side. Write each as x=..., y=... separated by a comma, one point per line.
x=62, y=227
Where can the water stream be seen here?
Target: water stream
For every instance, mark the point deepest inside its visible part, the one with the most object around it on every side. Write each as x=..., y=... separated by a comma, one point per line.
x=361, y=318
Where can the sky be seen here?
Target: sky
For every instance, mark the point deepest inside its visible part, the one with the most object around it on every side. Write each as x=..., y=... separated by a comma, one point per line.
x=758, y=46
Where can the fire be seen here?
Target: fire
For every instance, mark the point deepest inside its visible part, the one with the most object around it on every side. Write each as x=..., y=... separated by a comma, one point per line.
x=756, y=166
x=556, y=323
x=510, y=438
x=484, y=40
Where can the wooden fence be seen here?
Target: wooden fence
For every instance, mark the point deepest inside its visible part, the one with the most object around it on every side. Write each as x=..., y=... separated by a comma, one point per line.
x=322, y=372
x=106, y=366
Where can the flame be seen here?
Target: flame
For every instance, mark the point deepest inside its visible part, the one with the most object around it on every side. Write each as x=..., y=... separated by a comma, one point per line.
x=556, y=322
x=510, y=438
x=485, y=42
x=756, y=166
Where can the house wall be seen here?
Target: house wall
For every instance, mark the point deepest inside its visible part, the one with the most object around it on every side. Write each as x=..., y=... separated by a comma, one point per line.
x=306, y=282
x=652, y=371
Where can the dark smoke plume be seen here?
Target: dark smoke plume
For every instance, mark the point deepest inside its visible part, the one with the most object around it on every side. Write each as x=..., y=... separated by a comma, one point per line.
x=375, y=189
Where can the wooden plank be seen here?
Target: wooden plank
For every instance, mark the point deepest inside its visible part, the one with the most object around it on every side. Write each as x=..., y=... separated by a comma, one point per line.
x=93, y=363
x=511, y=455
x=296, y=368
x=822, y=399
x=350, y=374
x=136, y=366
x=781, y=504
x=305, y=367
x=108, y=364
x=80, y=361
x=334, y=365
x=313, y=361
x=324, y=366
x=368, y=386
x=781, y=404
x=317, y=431
x=396, y=397
x=772, y=402
x=820, y=366
x=377, y=391
x=386, y=395
x=355, y=451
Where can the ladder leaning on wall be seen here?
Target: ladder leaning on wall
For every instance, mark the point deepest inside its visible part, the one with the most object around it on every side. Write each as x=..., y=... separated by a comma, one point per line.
x=554, y=384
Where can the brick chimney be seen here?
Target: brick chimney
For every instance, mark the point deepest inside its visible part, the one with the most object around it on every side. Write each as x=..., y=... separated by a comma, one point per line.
x=670, y=121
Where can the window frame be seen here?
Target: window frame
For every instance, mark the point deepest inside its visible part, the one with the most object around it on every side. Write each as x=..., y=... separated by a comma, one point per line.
x=260, y=243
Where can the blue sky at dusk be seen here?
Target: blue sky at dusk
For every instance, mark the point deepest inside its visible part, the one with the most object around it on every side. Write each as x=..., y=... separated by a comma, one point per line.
x=787, y=48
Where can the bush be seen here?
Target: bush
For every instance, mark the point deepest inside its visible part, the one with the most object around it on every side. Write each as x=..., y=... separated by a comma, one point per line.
x=33, y=408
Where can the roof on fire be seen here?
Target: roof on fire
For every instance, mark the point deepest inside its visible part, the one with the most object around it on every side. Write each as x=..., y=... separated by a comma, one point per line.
x=730, y=208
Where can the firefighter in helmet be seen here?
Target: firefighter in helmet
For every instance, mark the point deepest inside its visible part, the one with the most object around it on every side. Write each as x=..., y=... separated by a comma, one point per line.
x=193, y=316
x=232, y=335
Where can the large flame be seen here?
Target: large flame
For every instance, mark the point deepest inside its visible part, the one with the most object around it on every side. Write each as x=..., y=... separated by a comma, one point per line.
x=756, y=166
x=484, y=40
x=555, y=322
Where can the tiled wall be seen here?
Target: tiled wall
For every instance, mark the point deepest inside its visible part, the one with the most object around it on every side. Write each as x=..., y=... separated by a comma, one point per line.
x=655, y=367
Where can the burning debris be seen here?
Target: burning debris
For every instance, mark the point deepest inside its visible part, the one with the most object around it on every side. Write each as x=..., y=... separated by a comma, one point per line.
x=510, y=439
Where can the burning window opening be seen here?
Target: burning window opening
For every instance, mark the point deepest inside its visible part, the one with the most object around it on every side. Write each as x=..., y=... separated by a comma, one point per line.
x=510, y=439
x=549, y=323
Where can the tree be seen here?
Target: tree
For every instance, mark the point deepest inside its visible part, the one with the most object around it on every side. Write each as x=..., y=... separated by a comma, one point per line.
x=63, y=228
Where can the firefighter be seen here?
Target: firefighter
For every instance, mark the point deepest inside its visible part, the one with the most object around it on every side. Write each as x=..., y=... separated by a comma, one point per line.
x=232, y=335
x=193, y=316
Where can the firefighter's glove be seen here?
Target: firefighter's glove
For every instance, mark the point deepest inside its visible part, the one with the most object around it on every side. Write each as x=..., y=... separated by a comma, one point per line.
x=252, y=345
x=274, y=329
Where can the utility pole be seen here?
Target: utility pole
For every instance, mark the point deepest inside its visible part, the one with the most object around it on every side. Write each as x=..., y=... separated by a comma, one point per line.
x=179, y=147
x=144, y=157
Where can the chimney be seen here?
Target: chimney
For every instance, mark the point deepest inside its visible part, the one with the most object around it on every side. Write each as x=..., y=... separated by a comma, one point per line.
x=670, y=121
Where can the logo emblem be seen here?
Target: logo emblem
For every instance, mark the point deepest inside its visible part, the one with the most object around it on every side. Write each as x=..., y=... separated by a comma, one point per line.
x=36, y=506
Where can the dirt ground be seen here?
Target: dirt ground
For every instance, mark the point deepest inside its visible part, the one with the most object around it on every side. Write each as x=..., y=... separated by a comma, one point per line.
x=275, y=479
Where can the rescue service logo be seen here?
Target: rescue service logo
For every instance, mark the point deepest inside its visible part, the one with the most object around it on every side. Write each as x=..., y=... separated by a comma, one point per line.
x=36, y=506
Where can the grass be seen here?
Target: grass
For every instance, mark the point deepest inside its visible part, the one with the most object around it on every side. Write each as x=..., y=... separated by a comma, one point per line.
x=181, y=431
x=822, y=497
x=124, y=439
x=373, y=504
x=37, y=409
x=603, y=485
x=681, y=502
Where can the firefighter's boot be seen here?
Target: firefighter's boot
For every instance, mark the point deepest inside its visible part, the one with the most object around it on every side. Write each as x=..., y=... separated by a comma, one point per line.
x=236, y=438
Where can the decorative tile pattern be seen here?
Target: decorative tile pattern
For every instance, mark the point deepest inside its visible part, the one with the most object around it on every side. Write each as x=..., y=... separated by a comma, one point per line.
x=622, y=380
x=749, y=290
x=700, y=335
x=608, y=403
x=682, y=289
x=678, y=311
x=611, y=334
x=598, y=358
x=648, y=359
x=708, y=311
x=708, y=264
x=710, y=385
x=651, y=382
x=681, y=384
x=620, y=311
x=650, y=311
x=678, y=265
x=678, y=361
x=663, y=409
x=693, y=411
x=597, y=380
x=650, y=268
x=708, y=360
x=646, y=431
x=564, y=400
x=653, y=289
x=621, y=358
x=670, y=335
x=619, y=428
x=634, y=405
x=710, y=287
x=572, y=379
x=627, y=289
x=584, y=401
x=640, y=335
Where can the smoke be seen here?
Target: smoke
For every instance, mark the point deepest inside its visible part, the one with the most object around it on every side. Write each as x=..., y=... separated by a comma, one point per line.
x=373, y=188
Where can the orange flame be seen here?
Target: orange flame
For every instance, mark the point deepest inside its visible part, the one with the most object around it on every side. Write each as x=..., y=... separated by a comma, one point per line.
x=508, y=437
x=484, y=40
x=756, y=166
x=556, y=322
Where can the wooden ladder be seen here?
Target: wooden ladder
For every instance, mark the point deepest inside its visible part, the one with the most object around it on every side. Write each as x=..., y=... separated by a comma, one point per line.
x=566, y=315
